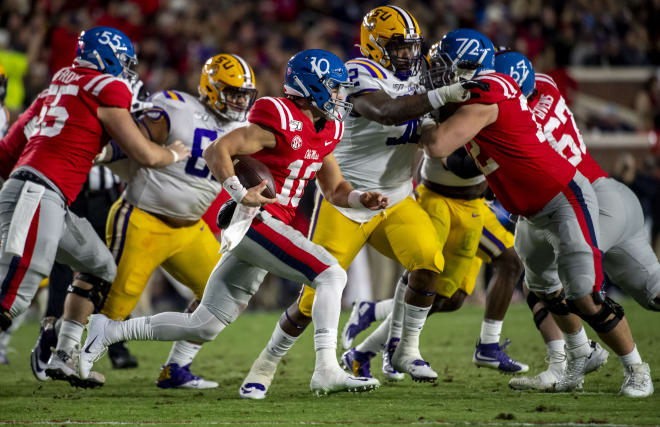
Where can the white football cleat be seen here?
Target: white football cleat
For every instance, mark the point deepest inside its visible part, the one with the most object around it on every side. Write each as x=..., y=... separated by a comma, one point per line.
x=174, y=376
x=389, y=372
x=62, y=366
x=543, y=381
x=637, y=382
x=255, y=385
x=597, y=358
x=95, y=344
x=410, y=360
x=332, y=380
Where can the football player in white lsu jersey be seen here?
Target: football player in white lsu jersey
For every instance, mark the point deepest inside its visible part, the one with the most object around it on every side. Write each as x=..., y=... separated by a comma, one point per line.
x=157, y=221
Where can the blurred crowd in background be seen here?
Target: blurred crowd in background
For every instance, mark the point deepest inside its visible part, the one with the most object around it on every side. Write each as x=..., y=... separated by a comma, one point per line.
x=175, y=37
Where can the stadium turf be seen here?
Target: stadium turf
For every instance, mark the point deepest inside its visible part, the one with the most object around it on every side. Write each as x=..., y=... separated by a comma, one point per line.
x=463, y=393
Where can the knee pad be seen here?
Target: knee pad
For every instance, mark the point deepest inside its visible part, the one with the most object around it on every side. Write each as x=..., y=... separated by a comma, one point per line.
x=556, y=303
x=609, y=315
x=5, y=320
x=98, y=293
x=540, y=315
x=334, y=276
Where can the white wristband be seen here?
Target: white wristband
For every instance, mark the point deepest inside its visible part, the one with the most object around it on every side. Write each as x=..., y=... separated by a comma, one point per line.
x=354, y=199
x=174, y=153
x=435, y=98
x=235, y=189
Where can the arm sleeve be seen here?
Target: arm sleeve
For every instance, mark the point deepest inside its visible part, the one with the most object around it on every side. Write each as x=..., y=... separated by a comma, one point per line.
x=460, y=163
x=115, y=93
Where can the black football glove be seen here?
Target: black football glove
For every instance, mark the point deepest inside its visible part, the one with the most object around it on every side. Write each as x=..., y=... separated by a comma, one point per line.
x=225, y=213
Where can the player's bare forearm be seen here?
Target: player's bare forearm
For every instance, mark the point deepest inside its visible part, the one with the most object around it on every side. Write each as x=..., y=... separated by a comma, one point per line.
x=380, y=107
x=440, y=140
x=244, y=140
x=337, y=190
x=120, y=126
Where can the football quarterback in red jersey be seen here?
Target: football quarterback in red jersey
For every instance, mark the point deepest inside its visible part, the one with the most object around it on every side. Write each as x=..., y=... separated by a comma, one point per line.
x=85, y=105
x=628, y=258
x=294, y=136
x=558, y=226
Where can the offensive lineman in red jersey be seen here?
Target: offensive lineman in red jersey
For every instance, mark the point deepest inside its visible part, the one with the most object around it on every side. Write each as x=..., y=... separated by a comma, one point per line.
x=558, y=227
x=628, y=257
x=294, y=136
x=85, y=105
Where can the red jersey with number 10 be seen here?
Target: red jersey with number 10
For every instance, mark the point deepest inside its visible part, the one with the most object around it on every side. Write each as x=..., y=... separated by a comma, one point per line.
x=522, y=169
x=68, y=133
x=560, y=129
x=298, y=153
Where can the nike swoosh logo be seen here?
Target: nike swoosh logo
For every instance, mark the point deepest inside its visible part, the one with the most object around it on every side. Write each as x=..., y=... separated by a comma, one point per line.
x=474, y=216
x=479, y=357
x=359, y=379
x=328, y=143
x=246, y=391
x=90, y=344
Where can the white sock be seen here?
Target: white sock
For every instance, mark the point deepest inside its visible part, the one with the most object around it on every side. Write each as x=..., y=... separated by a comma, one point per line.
x=70, y=335
x=398, y=309
x=577, y=343
x=413, y=322
x=377, y=339
x=383, y=308
x=325, y=315
x=279, y=344
x=183, y=353
x=631, y=358
x=490, y=331
x=556, y=352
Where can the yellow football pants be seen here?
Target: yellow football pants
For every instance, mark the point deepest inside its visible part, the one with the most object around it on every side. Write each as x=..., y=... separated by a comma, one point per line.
x=403, y=232
x=458, y=224
x=494, y=240
x=141, y=242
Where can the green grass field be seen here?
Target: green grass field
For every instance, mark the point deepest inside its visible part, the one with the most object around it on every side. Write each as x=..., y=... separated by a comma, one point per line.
x=463, y=394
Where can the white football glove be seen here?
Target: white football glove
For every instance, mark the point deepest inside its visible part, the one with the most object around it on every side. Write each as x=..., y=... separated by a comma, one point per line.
x=457, y=92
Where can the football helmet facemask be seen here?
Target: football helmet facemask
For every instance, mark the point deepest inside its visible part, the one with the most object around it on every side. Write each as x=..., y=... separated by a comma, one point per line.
x=391, y=36
x=227, y=86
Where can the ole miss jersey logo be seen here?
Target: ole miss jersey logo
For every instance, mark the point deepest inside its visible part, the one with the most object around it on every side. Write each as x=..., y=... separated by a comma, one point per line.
x=296, y=142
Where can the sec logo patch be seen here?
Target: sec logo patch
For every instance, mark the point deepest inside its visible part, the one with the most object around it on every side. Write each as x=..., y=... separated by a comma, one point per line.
x=296, y=142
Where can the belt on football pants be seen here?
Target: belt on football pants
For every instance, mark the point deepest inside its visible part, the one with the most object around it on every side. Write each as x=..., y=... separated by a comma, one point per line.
x=24, y=175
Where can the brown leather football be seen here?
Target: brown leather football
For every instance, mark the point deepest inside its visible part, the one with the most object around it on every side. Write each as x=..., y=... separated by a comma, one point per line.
x=251, y=172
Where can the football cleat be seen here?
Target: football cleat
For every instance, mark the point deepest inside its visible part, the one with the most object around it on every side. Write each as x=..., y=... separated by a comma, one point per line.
x=637, y=382
x=543, y=381
x=409, y=360
x=42, y=349
x=597, y=358
x=175, y=376
x=389, y=372
x=362, y=315
x=493, y=356
x=120, y=357
x=357, y=362
x=257, y=382
x=95, y=343
x=62, y=366
x=333, y=380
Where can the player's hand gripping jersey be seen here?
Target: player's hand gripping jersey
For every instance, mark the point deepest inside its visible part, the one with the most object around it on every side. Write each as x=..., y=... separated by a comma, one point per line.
x=372, y=156
x=299, y=151
x=523, y=187
x=68, y=133
x=183, y=189
x=559, y=127
x=11, y=146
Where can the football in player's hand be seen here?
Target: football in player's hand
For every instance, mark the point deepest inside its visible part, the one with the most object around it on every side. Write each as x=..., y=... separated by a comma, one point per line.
x=251, y=172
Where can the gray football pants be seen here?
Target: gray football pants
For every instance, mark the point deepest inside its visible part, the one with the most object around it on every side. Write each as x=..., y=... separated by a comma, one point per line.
x=55, y=233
